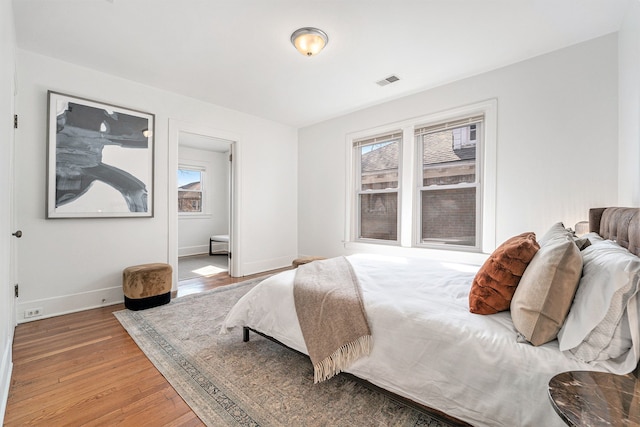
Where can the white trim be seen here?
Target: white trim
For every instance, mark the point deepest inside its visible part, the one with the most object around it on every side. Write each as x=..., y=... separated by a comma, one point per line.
x=267, y=265
x=6, y=369
x=409, y=182
x=193, y=250
x=175, y=127
x=72, y=303
x=488, y=172
x=193, y=215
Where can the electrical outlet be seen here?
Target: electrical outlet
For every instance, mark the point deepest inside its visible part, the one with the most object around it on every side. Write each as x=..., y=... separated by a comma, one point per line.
x=33, y=312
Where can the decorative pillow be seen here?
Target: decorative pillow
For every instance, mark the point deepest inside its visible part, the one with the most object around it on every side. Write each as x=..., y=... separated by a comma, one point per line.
x=595, y=328
x=543, y=297
x=581, y=242
x=496, y=281
x=557, y=231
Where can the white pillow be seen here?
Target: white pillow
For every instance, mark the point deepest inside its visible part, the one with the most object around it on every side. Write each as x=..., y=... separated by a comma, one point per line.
x=620, y=343
x=610, y=277
x=593, y=237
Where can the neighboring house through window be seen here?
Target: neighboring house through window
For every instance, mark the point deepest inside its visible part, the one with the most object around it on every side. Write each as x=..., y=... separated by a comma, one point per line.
x=451, y=168
x=377, y=161
x=448, y=183
x=190, y=190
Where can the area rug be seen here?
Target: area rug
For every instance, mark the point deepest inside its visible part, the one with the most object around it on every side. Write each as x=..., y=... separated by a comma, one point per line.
x=228, y=382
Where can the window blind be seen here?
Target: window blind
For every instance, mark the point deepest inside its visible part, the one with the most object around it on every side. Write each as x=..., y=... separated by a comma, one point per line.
x=377, y=139
x=424, y=130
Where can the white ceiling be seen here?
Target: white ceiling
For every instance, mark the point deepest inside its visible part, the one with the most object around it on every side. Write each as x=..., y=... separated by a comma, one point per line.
x=237, y=53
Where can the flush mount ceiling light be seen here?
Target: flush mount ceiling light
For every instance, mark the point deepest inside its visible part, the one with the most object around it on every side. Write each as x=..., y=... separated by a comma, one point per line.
x=309, y=41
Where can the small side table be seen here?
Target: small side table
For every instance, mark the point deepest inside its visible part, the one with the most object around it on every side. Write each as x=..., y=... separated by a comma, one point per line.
x=586, y=398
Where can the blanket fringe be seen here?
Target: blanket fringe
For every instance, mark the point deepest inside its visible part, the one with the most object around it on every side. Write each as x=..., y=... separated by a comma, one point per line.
x=340, y=359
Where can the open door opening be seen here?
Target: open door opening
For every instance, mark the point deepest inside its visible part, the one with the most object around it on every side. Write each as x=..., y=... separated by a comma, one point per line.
x=215, y=218
x=204, y=193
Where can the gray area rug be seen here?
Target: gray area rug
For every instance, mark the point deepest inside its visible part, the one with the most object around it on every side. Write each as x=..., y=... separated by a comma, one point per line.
x=228, y=382
x=193, y=266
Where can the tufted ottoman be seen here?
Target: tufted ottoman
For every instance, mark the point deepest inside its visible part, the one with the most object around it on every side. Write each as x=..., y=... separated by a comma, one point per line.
x=146, y=285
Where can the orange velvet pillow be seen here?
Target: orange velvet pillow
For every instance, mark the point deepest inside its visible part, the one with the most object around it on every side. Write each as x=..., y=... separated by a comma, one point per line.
x=495, y=283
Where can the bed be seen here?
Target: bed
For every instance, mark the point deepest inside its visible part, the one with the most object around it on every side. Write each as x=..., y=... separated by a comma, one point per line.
x=428, y=347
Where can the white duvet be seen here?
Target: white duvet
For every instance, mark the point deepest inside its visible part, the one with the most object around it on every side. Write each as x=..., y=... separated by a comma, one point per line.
x=427, y=346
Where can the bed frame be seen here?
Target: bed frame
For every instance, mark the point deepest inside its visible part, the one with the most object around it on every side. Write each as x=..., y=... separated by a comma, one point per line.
x=619, y=224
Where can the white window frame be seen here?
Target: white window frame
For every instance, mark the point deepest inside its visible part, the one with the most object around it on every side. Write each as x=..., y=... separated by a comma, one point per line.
x=200, y=167
x=408, y=220
x=358, y=187
x=477, y=184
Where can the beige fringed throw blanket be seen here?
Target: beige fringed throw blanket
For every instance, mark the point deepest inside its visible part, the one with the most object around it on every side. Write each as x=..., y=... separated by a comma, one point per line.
x=329, y=306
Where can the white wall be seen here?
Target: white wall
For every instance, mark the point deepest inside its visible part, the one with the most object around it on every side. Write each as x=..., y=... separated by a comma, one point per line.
x=194, y=230
x=629, y=107
x=7, y=62
x=69, y=265
x=556, y=143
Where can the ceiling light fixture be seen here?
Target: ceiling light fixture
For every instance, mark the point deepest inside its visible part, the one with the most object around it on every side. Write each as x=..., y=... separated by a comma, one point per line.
x=309, y=41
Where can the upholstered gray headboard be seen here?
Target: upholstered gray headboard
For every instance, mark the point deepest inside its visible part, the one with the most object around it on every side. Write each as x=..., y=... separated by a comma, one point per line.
x=619, y=224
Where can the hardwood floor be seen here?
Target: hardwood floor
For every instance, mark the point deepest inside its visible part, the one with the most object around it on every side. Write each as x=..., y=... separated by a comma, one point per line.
x=84, y=369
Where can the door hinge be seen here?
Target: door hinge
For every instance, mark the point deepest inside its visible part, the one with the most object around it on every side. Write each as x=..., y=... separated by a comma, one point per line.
x=230, y=157
x=229, y=255
x=15, y=121
x=15, y=289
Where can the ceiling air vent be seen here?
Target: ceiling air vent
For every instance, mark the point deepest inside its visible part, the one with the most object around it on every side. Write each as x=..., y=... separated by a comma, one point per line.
x=388, y=80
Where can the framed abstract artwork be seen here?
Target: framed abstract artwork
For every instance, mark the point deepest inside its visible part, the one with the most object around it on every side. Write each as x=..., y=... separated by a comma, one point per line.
x=99, y=159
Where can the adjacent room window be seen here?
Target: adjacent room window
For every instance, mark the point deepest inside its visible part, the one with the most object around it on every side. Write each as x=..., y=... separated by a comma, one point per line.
x=190, y=190
x=448, y=185
x=377, y=161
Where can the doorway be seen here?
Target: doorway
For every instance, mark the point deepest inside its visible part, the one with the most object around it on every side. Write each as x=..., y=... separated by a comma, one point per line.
x=204, y=205
x=202, y=201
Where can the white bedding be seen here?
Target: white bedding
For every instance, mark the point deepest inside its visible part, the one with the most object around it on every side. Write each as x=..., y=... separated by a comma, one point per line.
x=427, y=346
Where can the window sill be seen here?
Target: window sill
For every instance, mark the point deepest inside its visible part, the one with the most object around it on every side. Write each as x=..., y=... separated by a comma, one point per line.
x=182, y=216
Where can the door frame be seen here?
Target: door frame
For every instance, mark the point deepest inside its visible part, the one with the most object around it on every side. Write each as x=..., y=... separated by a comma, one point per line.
x=175, y=127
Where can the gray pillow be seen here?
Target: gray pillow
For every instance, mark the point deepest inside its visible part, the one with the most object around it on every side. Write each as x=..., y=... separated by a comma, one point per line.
x=557, y=231
x=543, y=297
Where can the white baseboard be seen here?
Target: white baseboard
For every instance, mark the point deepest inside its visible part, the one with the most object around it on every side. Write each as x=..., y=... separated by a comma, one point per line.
x=266, y=265
x=50, y=307
x=6, y=368
x=193, y=250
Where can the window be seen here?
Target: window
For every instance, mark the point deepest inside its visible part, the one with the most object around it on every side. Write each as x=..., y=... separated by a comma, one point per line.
x=438, y=192
x=190, y=190
x=377, y=164
x=448, y=183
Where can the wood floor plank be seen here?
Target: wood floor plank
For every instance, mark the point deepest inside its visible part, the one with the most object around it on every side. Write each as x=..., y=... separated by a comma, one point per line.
x=84, y=369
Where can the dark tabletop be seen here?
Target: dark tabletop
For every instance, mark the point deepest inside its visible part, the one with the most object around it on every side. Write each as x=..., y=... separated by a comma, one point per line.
x=585, y=398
